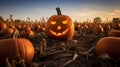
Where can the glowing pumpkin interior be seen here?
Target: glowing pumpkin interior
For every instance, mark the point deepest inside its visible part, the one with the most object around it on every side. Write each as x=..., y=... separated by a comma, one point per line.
x=59, y=28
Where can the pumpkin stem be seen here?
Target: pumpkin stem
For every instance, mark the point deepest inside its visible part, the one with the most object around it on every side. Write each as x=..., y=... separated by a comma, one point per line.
x=58, y=11
x=15, y=34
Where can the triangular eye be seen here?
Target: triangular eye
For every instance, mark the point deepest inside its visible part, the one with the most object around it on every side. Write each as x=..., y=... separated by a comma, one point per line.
x=53, y=22
x=65, y=22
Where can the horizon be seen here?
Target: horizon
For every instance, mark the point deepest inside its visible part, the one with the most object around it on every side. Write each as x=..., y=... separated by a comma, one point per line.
x=80, y=10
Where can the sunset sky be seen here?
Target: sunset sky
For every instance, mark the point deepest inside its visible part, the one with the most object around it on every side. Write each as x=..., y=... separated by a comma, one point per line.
x=77, y=9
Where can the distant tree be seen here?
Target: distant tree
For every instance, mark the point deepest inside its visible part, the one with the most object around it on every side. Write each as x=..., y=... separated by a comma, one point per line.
x=116, y=20
x=97, y=20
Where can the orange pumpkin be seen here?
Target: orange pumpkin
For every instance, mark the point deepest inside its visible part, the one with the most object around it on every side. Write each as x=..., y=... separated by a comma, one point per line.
x=41, y=29
x=10, y=31
x=13, y=47
x=19, y=27
x=60, y=27
x=27, y=27
x=108, y=45
x=26, y=33
x=12, y=26
x=115, y=25
x=30, y=33
x=3, y=26
x=114, y=33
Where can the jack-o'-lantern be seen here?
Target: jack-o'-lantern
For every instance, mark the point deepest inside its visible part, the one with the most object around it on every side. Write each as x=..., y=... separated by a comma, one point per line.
x=60, y=26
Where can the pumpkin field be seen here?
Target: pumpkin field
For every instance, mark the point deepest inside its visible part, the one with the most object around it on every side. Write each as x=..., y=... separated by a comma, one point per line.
x=59, y=41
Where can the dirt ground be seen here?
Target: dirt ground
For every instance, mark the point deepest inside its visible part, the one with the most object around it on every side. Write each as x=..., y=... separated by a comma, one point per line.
x=78, y=52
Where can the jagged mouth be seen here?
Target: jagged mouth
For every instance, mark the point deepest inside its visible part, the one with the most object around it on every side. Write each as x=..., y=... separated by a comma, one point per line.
x=59, y=34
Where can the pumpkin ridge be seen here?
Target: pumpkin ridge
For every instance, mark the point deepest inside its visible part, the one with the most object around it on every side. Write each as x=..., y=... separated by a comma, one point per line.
x=11, y=53
x=17, y=49
x=21, y=47
x=25, y=49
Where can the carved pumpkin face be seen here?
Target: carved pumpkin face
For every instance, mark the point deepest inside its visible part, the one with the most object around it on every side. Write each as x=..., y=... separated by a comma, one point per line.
x=60, y=27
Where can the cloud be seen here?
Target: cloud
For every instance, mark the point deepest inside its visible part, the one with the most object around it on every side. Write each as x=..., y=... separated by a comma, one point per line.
x=84, y=13
x=117, y=11
x=87, y=13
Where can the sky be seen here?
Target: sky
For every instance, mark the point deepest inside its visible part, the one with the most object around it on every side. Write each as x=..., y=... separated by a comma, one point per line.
x=80, y=10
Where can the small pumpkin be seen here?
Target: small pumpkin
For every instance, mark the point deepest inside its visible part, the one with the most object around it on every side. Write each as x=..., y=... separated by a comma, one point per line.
x=26, y=33
x=18, y=26
x=108, y=45
x=115, y=25
x=12, y=26
x=30, y=33
x=27, y=28
x=10, y=31
x=3, y=26
x=16, y=47
x=60, y=26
